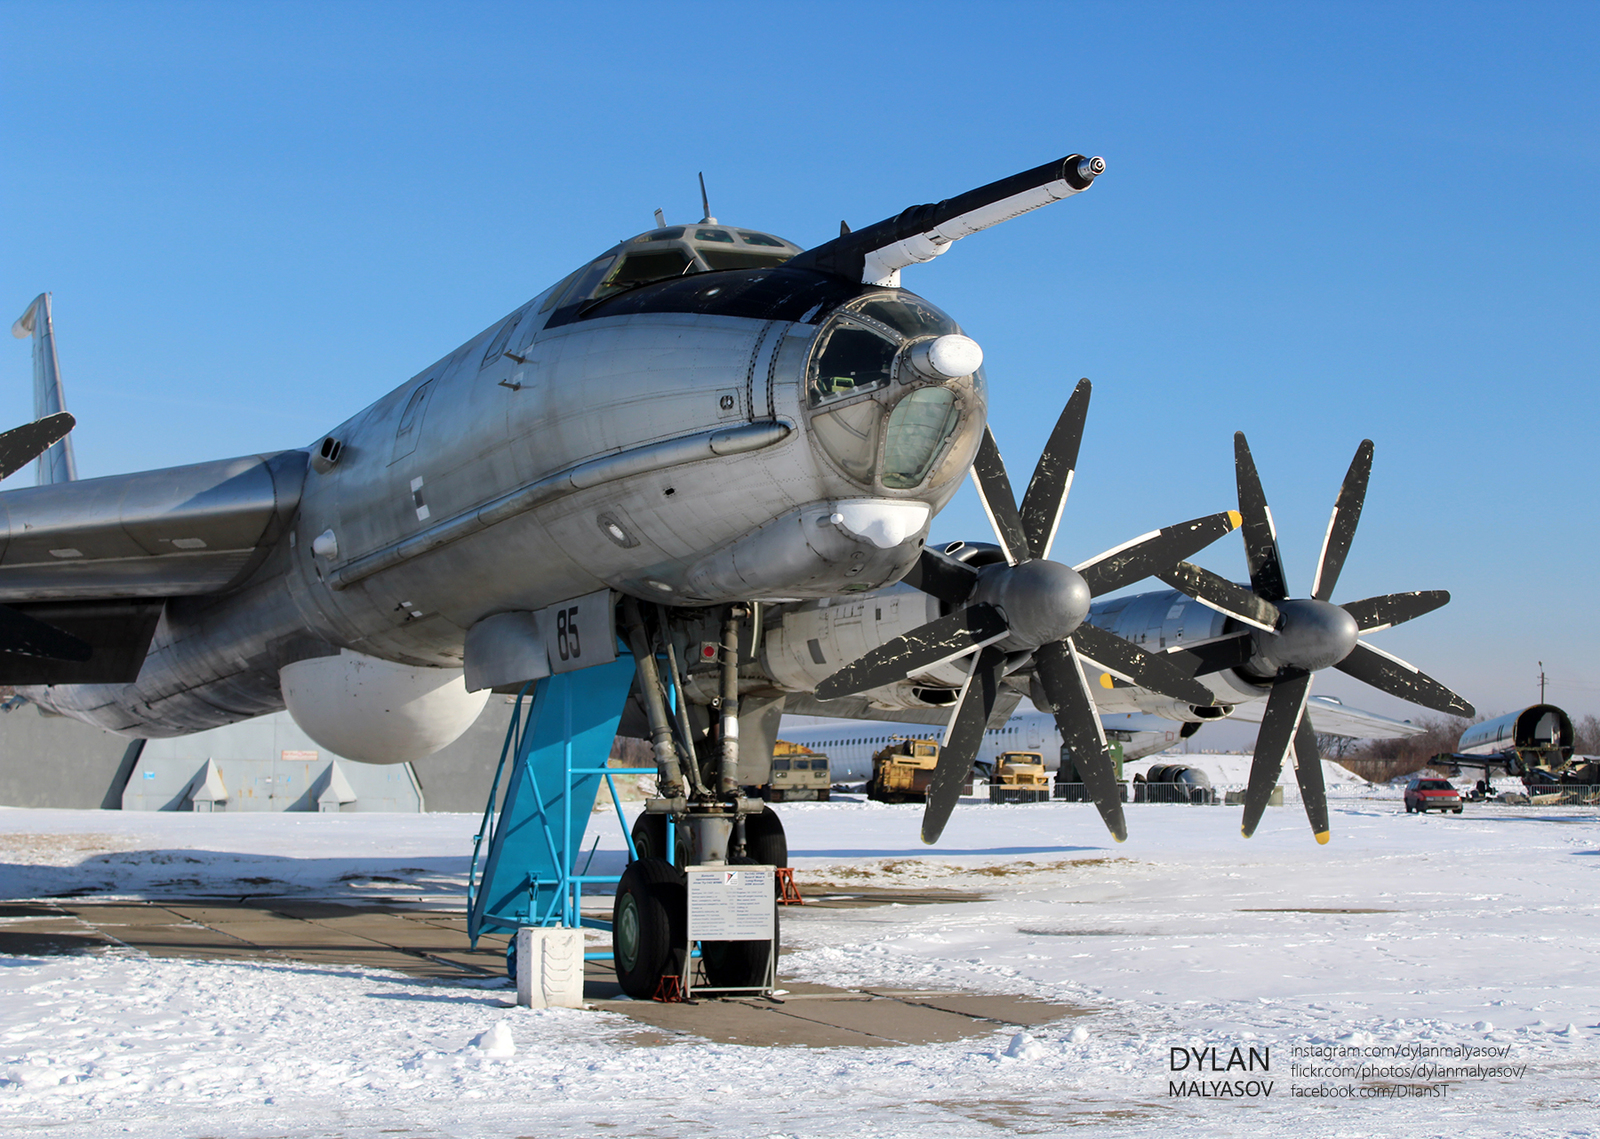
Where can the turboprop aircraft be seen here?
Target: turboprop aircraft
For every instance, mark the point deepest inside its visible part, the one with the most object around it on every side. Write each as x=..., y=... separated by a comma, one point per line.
x=701, y=424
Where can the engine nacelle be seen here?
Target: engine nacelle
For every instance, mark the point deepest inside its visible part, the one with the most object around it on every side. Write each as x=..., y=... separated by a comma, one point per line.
x=375, y=711
x=816, y=640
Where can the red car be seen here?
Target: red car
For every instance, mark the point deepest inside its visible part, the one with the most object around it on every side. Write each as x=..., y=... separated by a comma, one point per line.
x=1424, y=794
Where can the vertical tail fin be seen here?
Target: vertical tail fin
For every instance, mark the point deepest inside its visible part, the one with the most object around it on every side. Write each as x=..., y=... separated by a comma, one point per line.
x=56, y=464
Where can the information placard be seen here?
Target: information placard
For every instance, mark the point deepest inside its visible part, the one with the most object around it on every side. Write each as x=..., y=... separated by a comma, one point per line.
x=731, y=903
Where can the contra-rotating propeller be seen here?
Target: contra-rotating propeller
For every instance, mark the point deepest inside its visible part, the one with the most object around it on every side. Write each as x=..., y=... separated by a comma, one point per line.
x=1030, y=604
x=1297, y=637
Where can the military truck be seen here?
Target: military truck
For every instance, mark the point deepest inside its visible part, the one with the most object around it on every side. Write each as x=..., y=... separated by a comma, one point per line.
x=798, y=773
x=902, y=771
x=1019, y=777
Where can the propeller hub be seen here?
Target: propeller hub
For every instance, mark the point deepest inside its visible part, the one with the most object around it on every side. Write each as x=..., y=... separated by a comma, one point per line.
x=1313, y=635
x=1043, y=601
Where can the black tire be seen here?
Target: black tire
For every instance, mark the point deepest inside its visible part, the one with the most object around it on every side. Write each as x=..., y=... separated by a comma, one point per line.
x=649, y=920
x=739, y=964
x=1409, y=807
x=765, y=844
x=650, y=839
x=822, y=796
x=1458, y=810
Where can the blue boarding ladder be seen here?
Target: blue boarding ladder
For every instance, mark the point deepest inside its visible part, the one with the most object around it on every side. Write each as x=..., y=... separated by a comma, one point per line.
x=558, y=743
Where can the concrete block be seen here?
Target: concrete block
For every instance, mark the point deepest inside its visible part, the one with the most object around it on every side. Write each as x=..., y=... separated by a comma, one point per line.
x=549, y=968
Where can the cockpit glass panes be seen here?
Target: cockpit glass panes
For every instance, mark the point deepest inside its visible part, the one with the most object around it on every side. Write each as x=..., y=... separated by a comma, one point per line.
x=637, y=269
x=759, y=239
x=740, y=258
x=850, y=435
x=557, y=291
x=854, y=360
x=713, y=235
x=918, y=427
x=910, y=316
x=589, y=280
x=659, y=235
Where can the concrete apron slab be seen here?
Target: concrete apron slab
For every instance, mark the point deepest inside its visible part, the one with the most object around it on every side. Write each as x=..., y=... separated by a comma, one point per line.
x=430, y=944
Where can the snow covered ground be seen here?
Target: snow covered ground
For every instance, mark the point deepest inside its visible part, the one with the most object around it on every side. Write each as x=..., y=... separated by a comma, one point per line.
x=1462, y=941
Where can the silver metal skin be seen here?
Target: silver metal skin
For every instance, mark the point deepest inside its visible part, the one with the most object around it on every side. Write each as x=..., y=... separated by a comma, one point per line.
x=668, y=455
x=701, y=416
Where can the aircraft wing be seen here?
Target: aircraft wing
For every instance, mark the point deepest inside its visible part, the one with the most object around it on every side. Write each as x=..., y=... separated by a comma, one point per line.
x=166, y=533
x=96, y=559
x=1329, y=715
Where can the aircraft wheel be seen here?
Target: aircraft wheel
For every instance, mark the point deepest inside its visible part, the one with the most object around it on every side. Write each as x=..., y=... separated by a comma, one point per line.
x=650, y=839
x=739, y=964
x=648, y=926
x=764, y=840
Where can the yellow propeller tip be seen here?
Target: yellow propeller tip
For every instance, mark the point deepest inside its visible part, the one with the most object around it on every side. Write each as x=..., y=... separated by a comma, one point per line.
x=1322, y=837
x=1106, y=681
x=1236, y=518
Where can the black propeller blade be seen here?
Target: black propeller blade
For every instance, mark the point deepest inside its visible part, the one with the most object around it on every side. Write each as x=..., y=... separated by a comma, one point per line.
x=1052, y=478
x=1260, y=535
x=22, y=445
x=1149, y=554
x=1298, y=637
x=1032, y=604
x=1278, y=728
x=925, y=647
x=1308, y=772
x=1061, y=676
x=1154, y=671
x=1396, y=677
x=943, y=577
x=973, y=709
x=1375, y=613
x=999, y=503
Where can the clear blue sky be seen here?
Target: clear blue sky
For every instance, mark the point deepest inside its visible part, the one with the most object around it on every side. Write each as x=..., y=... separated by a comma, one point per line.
x=1320, y=223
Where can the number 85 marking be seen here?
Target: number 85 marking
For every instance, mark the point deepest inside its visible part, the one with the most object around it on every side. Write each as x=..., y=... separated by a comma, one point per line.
x=567, y=643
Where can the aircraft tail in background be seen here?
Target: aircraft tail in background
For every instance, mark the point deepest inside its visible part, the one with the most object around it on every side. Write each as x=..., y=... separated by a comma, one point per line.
x=57, y=464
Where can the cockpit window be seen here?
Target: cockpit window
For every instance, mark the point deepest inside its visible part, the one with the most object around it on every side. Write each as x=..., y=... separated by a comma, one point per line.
x=713, y=235
x=637, y=269
x=854, y=360
x=759, y=239
x=558, y=291
x=740, y=258
x=587, y=281
x=910, y=316
x=658, y=235
x=918, y=427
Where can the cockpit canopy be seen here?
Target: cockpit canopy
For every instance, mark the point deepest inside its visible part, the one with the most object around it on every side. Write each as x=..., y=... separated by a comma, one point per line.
x=662, y=254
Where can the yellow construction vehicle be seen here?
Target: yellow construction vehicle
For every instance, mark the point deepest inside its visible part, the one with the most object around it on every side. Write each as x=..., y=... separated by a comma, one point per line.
x=1019, y=777
x=902, y=771
x=797, y=773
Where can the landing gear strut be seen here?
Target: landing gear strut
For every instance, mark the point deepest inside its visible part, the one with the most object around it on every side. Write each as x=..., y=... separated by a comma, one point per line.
x=699, y=819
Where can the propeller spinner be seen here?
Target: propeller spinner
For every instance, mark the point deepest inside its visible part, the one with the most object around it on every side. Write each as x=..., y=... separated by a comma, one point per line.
x=1030, y=604
x=1299, y=637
